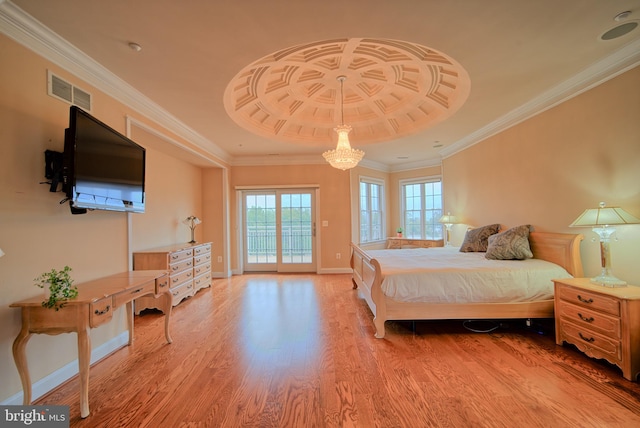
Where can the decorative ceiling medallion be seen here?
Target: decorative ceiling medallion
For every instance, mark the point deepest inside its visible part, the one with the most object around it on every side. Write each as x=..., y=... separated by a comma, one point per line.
x=393, y=89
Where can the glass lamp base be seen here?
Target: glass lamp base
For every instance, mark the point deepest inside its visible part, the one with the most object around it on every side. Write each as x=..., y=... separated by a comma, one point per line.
x=608, y=281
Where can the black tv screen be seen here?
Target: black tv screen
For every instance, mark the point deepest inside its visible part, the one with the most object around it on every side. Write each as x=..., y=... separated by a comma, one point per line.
x=104, y=170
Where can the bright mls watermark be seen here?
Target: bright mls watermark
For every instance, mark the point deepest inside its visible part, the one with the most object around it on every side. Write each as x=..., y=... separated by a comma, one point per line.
x=34, y=416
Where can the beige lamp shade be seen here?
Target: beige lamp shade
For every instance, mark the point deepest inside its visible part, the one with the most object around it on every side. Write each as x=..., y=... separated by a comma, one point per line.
x=448, y=219
x=604, y=216
x=602, y=221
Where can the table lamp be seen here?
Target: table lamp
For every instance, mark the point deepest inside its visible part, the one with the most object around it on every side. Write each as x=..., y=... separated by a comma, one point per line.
x=603, y=220
x=448, y=220
x=192, y=221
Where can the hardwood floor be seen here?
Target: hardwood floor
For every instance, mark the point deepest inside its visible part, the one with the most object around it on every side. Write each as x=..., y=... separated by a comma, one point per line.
x=298, y=351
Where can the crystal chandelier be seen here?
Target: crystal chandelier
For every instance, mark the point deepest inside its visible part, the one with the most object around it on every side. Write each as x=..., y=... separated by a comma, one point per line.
x=343, y=156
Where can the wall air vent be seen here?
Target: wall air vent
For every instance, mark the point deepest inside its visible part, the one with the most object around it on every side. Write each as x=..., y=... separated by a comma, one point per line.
x=65, y=91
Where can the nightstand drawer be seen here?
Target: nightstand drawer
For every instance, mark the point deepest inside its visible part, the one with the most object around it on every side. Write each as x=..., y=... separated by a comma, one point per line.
x=594, y=344
x=579, y=315
x=593, y=301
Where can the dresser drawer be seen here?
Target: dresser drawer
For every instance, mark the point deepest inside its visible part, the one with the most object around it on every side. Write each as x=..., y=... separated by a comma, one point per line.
x=127, y=296
x=200, y=269
x=588, y=319
x=201, y=250
x=203, y=258
x=181, y=292
x=180, y=255
x=101, y=311
x=177, y=279
x=202, y=281
x=181, y=265
x=592, y=343
x=593, y=301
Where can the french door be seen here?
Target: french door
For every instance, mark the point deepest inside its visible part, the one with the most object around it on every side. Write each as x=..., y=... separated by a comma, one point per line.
x=279, y=230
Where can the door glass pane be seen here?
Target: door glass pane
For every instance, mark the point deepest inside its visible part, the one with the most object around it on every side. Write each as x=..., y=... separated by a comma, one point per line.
x=261, y=228
x=296, y=228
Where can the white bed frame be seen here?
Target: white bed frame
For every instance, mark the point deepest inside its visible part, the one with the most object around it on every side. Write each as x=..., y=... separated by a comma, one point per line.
x=560, y=248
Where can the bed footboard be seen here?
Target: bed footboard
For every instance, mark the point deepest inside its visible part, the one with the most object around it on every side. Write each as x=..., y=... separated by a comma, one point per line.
x=367, y=278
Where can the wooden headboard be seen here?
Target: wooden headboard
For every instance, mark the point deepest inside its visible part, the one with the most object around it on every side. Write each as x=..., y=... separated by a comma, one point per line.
x=560, y=248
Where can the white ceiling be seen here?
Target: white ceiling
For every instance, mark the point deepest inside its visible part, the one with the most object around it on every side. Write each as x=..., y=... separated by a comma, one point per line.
x=521, y=57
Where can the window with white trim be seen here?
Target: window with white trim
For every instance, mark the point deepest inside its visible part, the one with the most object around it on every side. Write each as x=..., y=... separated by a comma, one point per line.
x=371, y=210
x=422, y=208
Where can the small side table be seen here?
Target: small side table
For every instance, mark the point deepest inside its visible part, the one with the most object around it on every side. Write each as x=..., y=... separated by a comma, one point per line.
x=600, y=321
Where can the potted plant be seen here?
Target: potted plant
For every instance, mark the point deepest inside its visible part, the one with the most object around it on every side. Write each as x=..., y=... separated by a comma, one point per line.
x=58, y=287
x=399, y=232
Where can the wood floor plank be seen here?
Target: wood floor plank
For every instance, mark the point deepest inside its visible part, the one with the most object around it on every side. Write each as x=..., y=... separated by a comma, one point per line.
x=298, y=350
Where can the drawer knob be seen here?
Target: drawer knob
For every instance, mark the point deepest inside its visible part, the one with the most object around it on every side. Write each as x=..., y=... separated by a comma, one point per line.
x=97, y=312
x=583, y=300
x=583, y=318
x=137, y=291
x=586, y=339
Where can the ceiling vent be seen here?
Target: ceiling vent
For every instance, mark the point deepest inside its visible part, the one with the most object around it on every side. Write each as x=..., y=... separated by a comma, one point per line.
x=65, y=91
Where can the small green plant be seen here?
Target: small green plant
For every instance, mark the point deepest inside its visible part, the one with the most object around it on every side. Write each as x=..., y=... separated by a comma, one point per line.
x=399, y=230
x=60, y=286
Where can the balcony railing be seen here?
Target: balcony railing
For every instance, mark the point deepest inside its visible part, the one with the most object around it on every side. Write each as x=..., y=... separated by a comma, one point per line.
x=296, y=245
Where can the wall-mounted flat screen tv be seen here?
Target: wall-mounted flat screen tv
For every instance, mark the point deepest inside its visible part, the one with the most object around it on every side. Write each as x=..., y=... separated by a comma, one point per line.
x=103, y=169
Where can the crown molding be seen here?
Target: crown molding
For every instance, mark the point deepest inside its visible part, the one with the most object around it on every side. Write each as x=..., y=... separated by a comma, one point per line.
x=619, y=62
x=277, y=160
x=31, y=33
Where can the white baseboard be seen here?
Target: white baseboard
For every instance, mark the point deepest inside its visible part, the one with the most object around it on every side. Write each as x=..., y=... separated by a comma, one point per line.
x=57, y=378
x=221, y=274
x=327, y=271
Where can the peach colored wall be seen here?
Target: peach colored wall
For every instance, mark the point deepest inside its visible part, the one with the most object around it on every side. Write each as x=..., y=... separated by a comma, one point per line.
x=37, y=233
x=214, y=209
x=547, y=170
x=174, y=192
x=333, y=203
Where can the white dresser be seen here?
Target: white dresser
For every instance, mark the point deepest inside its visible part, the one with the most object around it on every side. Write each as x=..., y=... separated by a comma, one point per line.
x=189, y=267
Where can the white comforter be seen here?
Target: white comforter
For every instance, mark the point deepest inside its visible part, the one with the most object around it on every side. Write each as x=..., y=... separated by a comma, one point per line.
x=445, y=275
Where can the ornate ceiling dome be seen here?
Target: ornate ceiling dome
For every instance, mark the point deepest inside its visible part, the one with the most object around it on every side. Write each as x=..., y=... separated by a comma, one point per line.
x=392, y=89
